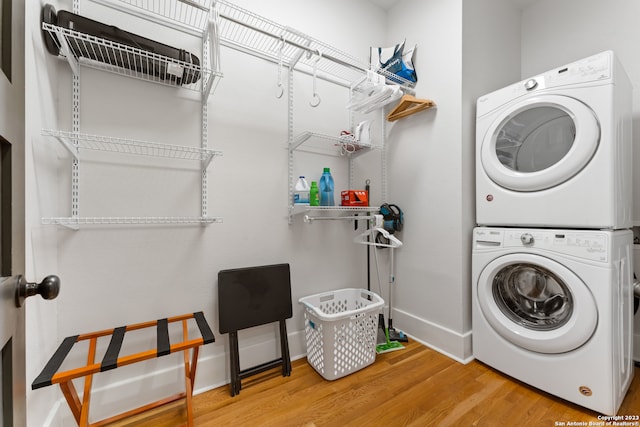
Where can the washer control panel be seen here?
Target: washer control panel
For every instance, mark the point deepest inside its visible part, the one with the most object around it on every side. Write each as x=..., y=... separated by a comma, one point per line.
x=530, y=84
x=527, y=239
x=591, y=245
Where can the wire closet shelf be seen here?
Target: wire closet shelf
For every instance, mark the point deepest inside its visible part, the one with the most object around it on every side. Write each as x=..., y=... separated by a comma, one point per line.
x=318, y=143
x=80, y=49
x=248, y=32
x=75, y=222
x=75, y=141
x=189, y=13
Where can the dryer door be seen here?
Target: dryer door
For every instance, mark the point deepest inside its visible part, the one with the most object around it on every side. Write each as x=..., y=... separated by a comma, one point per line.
x=540, y=143
x=536, y=303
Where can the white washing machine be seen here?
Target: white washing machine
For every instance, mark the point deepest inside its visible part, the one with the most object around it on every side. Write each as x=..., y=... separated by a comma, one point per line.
x=554, y=150
x=553, y=308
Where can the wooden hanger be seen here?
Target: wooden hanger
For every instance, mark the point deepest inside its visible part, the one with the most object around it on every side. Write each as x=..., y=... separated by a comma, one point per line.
x=408, y=105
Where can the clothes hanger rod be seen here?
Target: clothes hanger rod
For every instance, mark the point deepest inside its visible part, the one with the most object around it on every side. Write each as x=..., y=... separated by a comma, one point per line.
x=194, y=4
x=292, y=43
x=308, y=218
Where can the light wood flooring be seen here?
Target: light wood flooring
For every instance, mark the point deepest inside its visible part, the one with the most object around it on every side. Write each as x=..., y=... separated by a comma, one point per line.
x=416, y=386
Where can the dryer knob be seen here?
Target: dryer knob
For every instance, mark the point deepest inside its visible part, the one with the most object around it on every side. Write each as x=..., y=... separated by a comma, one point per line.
x=527, y=239
x=530, y=84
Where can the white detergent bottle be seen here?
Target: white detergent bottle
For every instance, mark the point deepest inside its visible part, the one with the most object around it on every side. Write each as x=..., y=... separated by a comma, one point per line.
x=301, y=192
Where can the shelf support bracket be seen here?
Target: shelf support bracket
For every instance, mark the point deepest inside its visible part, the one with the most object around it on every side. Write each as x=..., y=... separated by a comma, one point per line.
x=65, y=49
x=208, y=37
x=69, y=146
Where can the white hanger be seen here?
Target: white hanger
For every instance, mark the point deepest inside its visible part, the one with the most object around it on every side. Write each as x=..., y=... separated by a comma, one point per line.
x=372, y=92
x=391, y=96
x=369, y=236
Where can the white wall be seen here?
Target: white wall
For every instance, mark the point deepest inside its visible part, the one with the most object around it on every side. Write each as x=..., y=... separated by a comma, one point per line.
x=555, y=33
x=558, y=32
x=431, y=156
x=491, y=53
x=42, y=177
x=117, y=275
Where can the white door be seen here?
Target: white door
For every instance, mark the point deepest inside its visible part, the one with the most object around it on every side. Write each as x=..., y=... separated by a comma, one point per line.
x=537, y=303
x=12, y=402
x=539, y=143
x=12, y=338
x=12, y=212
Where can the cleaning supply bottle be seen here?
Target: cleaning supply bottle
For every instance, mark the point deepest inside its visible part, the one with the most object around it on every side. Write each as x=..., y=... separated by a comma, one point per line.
x=326, y=189
x=301, y=192
x=314, y=197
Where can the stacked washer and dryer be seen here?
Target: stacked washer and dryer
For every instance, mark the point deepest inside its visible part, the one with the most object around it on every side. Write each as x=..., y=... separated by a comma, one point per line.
x=552, y=261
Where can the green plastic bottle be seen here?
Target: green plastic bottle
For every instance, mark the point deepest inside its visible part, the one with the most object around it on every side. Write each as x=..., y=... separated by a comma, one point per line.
x=314, y=198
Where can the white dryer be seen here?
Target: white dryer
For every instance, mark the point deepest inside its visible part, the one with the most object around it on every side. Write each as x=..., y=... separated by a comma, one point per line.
x=553, y=308
x=554, y=150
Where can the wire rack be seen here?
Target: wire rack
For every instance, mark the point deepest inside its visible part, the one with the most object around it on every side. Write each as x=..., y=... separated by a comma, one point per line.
x=94, y=52
x=190, y=13
x=328, y=213
x=74, y=141
x=256, y=35
x=76, y=222
x=318, y=143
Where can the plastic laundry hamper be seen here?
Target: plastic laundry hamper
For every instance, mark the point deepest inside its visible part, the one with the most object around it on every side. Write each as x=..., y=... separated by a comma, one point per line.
x=341, y=329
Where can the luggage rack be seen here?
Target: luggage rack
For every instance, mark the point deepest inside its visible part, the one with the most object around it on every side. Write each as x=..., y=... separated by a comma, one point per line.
x=112, y=359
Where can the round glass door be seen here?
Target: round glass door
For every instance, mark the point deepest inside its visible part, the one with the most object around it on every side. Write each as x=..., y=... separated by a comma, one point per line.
x=540, y=143
x=532, y=296
x=536, y=303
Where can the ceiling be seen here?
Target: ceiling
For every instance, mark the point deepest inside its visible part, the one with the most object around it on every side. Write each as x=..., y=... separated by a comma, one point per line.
x=388, y=4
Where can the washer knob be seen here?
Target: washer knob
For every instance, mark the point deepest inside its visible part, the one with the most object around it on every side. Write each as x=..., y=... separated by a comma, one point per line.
x=527, y=239
x=530, y=84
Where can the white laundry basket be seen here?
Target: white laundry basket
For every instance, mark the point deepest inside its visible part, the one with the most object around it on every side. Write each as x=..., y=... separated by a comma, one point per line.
x=341, y=329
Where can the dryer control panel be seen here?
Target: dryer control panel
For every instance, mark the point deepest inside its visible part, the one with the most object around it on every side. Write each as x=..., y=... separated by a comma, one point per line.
x=596, y=69
x=591, y=69
x=592, y=245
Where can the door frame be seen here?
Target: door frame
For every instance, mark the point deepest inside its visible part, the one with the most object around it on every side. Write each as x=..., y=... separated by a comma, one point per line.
x=12, y=129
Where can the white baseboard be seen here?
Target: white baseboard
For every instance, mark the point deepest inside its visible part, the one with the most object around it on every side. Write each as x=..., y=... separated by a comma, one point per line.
x=450, y=343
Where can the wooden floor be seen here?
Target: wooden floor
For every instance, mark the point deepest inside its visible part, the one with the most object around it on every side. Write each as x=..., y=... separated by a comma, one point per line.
x=412, y=387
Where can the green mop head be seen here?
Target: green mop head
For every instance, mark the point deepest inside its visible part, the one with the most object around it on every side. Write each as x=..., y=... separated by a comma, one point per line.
x=389, y=345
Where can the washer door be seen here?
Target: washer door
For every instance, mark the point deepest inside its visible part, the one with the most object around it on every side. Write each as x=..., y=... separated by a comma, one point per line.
x=540, y=143
x=536, y=303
